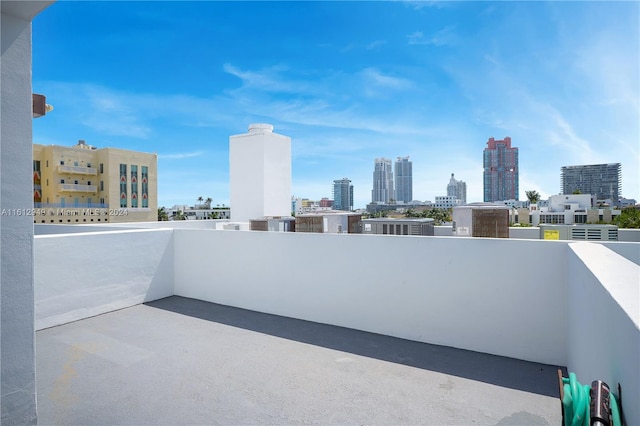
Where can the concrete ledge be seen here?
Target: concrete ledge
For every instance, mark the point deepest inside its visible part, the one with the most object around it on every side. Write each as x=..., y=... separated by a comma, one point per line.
x=604, y=321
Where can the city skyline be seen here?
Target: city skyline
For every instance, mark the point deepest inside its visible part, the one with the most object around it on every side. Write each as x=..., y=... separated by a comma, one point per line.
x=431, y=80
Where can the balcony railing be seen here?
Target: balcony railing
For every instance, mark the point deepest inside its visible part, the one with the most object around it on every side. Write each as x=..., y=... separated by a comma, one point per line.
x=71, y=187
x=78, y=170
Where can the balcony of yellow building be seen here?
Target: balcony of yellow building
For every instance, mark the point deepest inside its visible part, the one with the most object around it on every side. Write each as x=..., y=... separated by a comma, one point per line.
x=74, y=187
x=78, y=170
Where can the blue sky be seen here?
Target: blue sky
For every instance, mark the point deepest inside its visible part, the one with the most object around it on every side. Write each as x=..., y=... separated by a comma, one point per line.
x=348, y=82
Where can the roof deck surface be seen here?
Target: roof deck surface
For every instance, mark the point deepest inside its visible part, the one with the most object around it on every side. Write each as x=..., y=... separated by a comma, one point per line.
x=184, y=361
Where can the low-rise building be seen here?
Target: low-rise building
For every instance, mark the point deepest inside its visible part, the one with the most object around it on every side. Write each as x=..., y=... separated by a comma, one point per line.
x=408, y=226
x=447, y=202
x=84, y=184
x=273, y=224
x=330, y=222
x=186, y=212
x=565, y=209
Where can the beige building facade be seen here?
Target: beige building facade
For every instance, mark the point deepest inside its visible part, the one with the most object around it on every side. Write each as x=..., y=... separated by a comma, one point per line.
x=83, y=184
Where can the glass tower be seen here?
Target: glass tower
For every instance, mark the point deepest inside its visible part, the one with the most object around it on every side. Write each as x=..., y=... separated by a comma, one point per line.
x=404, y=179
x=342, y=194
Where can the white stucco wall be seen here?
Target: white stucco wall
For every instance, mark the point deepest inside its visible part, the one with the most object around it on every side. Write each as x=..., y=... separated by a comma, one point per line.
x=468, y=293
x=82, y=275
x=443, y=231
x=524, y=233
x=17, y=339
x=631, y=235
x=630, y=251
x=604, y=321
x=177, y=224
x=52, y=229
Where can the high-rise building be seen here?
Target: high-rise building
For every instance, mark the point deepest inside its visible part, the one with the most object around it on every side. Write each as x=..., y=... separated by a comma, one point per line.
x=500, y=162
x=403, y=179
x=600, y=180
x=458, y=189
x=325, y=202
x=342, y=194
x=383, y=190
x=259, y=174
x=82, y=184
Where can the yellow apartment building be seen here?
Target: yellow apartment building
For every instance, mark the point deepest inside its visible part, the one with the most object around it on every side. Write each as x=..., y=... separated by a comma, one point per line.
x=83, y=184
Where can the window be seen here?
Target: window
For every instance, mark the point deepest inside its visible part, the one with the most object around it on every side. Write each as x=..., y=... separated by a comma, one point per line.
x=61, y=180
x=405, y=229
x=101, y=185
x=101, y=168
x=88, y=182
x=37, y=188
x=123, y=185
x=145, y=186
x=75, y=163
x=134, y=186
x=88, y=164
x=75, y=182
x=384, y=229
x=62, y=162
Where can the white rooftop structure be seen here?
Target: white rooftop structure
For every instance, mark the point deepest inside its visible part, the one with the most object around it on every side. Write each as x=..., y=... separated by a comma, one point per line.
x=260, y=173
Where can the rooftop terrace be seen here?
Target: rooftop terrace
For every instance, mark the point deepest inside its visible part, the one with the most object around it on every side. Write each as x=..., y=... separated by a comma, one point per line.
x=184, y=361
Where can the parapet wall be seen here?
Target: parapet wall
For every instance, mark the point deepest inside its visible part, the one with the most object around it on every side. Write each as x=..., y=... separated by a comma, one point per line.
x=484, y=295
x=82, y=275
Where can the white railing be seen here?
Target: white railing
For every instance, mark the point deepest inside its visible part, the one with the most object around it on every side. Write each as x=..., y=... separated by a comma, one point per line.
x=80, y=170
x=74, y=187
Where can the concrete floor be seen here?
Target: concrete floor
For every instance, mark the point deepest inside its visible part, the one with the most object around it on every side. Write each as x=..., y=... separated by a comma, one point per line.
x=184, y=361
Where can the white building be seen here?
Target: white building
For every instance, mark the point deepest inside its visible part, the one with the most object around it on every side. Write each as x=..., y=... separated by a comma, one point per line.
x=447, y=202
x=458, y=189
x=383, y=188
x=260, y=174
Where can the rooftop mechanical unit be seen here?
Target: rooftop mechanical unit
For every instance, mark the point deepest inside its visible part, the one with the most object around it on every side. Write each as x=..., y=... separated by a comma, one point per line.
x=579, y=232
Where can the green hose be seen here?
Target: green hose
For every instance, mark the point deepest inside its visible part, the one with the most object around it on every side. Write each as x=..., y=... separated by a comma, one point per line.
x=576, y=401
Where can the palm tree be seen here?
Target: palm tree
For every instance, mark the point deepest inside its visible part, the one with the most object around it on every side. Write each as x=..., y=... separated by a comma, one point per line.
x=162, y=215
x=629, y=218
x=179, y=215
x=208, y=202
x=533, y=196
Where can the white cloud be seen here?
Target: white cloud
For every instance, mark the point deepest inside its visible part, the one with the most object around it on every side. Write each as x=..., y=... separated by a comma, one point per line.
x=444, y=37
x=374, y=77
x=180, y=155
